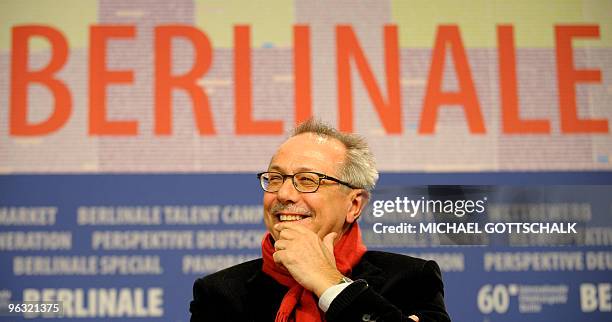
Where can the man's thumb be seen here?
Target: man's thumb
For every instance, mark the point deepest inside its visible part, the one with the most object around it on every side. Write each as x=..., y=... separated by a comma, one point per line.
x=328, y=241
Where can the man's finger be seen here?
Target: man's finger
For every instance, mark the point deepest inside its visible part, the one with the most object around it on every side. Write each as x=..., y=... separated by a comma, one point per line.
x=291, y=226
x=277, y=257
x=287, y=234
x=280, y=245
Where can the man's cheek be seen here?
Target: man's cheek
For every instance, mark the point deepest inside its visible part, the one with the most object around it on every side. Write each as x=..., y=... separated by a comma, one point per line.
x=269, y=219
x=269, y=222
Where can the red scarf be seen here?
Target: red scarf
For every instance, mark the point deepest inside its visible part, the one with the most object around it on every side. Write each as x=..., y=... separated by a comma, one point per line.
x=299, y=304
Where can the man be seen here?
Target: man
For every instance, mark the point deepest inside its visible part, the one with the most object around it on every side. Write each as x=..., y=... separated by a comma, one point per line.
x=315, y=266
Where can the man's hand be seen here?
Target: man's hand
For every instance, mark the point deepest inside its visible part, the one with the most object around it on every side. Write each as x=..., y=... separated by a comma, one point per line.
x=308, y=259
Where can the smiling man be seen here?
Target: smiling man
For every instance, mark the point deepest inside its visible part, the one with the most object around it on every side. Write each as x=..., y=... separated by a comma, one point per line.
x=314, y=266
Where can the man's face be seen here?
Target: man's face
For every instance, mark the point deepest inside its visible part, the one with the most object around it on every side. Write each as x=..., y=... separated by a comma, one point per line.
x=323, y=211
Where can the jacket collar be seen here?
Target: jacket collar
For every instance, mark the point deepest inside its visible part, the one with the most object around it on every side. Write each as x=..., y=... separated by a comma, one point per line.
x=262, y=291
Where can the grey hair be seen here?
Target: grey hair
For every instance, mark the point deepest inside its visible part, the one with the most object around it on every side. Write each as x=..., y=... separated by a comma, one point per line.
x=359, y=167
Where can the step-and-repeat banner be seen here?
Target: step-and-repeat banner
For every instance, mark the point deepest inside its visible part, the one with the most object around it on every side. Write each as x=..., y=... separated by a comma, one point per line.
x=130, y=132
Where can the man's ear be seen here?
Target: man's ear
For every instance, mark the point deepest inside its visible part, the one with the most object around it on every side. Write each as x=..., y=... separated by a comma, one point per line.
x=359, y=198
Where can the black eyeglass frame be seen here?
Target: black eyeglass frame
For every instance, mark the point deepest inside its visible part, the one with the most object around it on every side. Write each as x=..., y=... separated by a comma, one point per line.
x=292, y=176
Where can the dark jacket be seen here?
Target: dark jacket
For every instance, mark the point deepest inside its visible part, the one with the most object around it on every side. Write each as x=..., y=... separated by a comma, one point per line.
x=397, y=286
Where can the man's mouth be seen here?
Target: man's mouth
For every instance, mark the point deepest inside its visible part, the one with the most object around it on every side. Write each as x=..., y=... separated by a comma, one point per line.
x=291, y=217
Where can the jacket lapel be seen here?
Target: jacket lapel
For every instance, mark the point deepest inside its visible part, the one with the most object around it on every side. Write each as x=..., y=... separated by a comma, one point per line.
x=262, y=291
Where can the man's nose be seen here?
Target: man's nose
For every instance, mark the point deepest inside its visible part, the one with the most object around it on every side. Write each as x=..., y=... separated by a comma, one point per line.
x=287, y=192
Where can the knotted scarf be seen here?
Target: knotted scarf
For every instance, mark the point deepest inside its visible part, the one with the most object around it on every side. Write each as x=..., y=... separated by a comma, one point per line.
x=298, y=304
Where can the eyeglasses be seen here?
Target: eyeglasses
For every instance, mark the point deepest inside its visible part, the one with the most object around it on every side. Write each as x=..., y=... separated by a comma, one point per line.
x=302, y=181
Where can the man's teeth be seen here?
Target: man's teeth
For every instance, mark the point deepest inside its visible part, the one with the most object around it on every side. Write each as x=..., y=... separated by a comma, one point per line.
x=290, y=217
